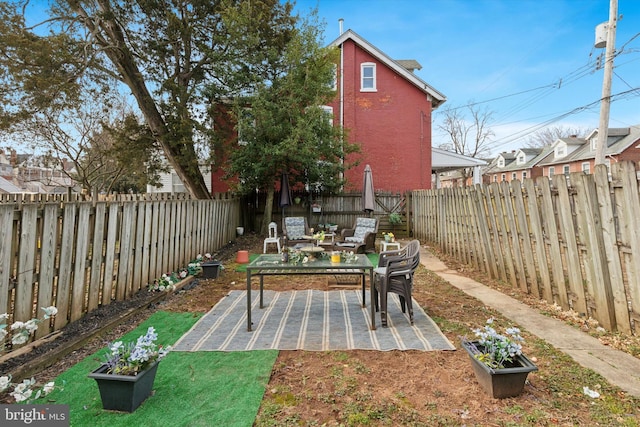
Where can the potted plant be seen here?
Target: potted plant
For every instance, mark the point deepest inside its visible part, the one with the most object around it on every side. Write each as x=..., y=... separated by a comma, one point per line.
x=395, y=219
x=126, y=377
x=498, y=362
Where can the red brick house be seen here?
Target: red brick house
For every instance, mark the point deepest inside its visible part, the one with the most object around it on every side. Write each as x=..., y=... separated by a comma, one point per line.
x=578, y=155
x=387, y=110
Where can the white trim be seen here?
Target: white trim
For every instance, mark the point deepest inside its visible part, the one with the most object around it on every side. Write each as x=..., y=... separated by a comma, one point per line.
x=372, y=78
x=436, y=97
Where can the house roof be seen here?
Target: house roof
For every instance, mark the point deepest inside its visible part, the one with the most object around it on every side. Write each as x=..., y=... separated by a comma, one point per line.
x=443, y=161
x=409, y=64
x=7, y=187
x=618, y=140
x=437, y=98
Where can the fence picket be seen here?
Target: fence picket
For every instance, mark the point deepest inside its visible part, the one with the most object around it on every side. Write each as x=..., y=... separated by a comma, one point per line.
x=572, y=240
x=81, y=255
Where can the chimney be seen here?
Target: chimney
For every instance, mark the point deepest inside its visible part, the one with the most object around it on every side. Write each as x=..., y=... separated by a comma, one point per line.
x=14, y=158
x=340, y=22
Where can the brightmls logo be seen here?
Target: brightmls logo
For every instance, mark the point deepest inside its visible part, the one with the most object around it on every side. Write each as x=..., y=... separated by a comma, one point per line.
x=34, y=415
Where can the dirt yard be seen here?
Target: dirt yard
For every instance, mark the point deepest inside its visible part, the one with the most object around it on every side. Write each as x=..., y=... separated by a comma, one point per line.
x=368, y=388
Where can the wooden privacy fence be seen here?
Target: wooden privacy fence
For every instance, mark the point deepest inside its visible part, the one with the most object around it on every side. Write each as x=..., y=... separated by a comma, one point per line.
x=341, y=209
x=574, y=240
x=81, y=255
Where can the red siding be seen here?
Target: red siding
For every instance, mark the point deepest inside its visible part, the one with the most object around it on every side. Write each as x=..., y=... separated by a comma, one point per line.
x=392, y=126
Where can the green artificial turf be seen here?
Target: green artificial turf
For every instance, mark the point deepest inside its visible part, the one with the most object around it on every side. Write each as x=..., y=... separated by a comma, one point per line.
x=190, y=389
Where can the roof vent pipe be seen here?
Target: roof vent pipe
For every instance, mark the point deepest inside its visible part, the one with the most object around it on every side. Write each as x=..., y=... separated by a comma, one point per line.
x=340, y=22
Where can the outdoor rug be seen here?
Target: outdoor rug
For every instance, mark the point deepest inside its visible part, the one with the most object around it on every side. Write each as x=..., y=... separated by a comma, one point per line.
x=310, y=320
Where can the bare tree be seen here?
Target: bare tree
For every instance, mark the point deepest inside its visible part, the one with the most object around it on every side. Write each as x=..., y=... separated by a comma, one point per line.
x=469, y=134
x=548, y=136
x=89, y=136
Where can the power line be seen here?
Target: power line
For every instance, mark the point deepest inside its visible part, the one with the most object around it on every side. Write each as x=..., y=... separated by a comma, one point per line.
x=531, y=129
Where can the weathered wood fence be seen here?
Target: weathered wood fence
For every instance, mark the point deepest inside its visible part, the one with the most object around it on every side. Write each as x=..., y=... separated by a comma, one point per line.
x=81, y=255
x=342, y=209
x=574, y=240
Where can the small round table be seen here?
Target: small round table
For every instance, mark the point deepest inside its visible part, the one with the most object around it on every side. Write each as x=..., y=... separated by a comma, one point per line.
x=385, y=245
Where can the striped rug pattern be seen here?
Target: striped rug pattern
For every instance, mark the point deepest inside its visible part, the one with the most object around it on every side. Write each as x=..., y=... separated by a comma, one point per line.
x=310, y=320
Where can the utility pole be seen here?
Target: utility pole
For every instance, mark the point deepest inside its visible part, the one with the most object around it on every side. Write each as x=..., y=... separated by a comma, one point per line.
x=605, y=101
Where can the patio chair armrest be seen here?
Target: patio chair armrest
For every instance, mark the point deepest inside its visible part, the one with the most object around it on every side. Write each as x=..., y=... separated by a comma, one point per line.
x=347, y=232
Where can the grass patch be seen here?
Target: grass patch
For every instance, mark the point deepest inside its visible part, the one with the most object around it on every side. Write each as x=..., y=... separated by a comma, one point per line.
x=190, y=389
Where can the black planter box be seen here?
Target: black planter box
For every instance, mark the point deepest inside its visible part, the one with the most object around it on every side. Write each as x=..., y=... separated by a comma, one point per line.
x=211, y=269
x=124, y=392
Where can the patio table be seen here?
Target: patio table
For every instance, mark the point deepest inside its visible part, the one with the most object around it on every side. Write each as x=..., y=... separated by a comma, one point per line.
x=272, y=265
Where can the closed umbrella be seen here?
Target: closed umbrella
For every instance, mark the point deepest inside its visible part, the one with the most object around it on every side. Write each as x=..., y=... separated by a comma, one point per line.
x=285, y=192
x=368, y=194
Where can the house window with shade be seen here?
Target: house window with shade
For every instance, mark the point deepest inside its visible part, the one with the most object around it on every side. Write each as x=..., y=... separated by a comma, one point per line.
x=368, y=77
x=586, y=167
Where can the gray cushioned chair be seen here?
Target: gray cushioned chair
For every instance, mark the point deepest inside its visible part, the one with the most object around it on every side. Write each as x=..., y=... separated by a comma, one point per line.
x=295, y=228
x=361, y=238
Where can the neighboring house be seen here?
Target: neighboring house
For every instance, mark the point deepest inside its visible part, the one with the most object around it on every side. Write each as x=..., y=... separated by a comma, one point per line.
x=171, y=183
x=578, y=155
x=387, y=111
x=518, y=164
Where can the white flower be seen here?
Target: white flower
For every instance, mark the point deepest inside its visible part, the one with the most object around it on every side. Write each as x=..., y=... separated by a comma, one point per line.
x=49, y=311
x=48, y=387
x=17, y=325
x=23, y=390
x=5, y=382
x=116, y=346
x=22, y=395
x=31, y=325
x=20, y=338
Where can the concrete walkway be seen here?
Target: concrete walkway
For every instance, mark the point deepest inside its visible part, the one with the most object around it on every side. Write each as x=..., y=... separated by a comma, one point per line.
x=618, y=367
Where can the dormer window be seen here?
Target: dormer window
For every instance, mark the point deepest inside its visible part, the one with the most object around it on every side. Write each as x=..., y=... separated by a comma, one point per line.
x=522, y=159
x=368, y=77
x=500, y=162
x=561, y=150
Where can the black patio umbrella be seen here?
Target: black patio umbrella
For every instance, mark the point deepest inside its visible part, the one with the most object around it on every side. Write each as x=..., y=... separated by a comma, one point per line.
x=285, y=192
x=368, y=194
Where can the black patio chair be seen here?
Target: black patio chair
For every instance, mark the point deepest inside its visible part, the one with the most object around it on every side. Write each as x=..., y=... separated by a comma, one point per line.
x=394, y=273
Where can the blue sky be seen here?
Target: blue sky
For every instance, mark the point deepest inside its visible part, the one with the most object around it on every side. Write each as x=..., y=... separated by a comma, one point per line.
x=507, y=55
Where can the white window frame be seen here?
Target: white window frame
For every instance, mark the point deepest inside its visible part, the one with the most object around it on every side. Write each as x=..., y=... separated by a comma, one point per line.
x=551, y=171
x=500, y=162
x=566, y=170
x=504, y=177
x=586, y=167
x=561, y=150
x=329, y=112
x=522, y=159
x=514, y=176
x=524, y=175
x=372, y=79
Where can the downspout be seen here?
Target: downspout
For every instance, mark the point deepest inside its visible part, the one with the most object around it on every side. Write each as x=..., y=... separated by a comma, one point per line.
x=341, y=118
